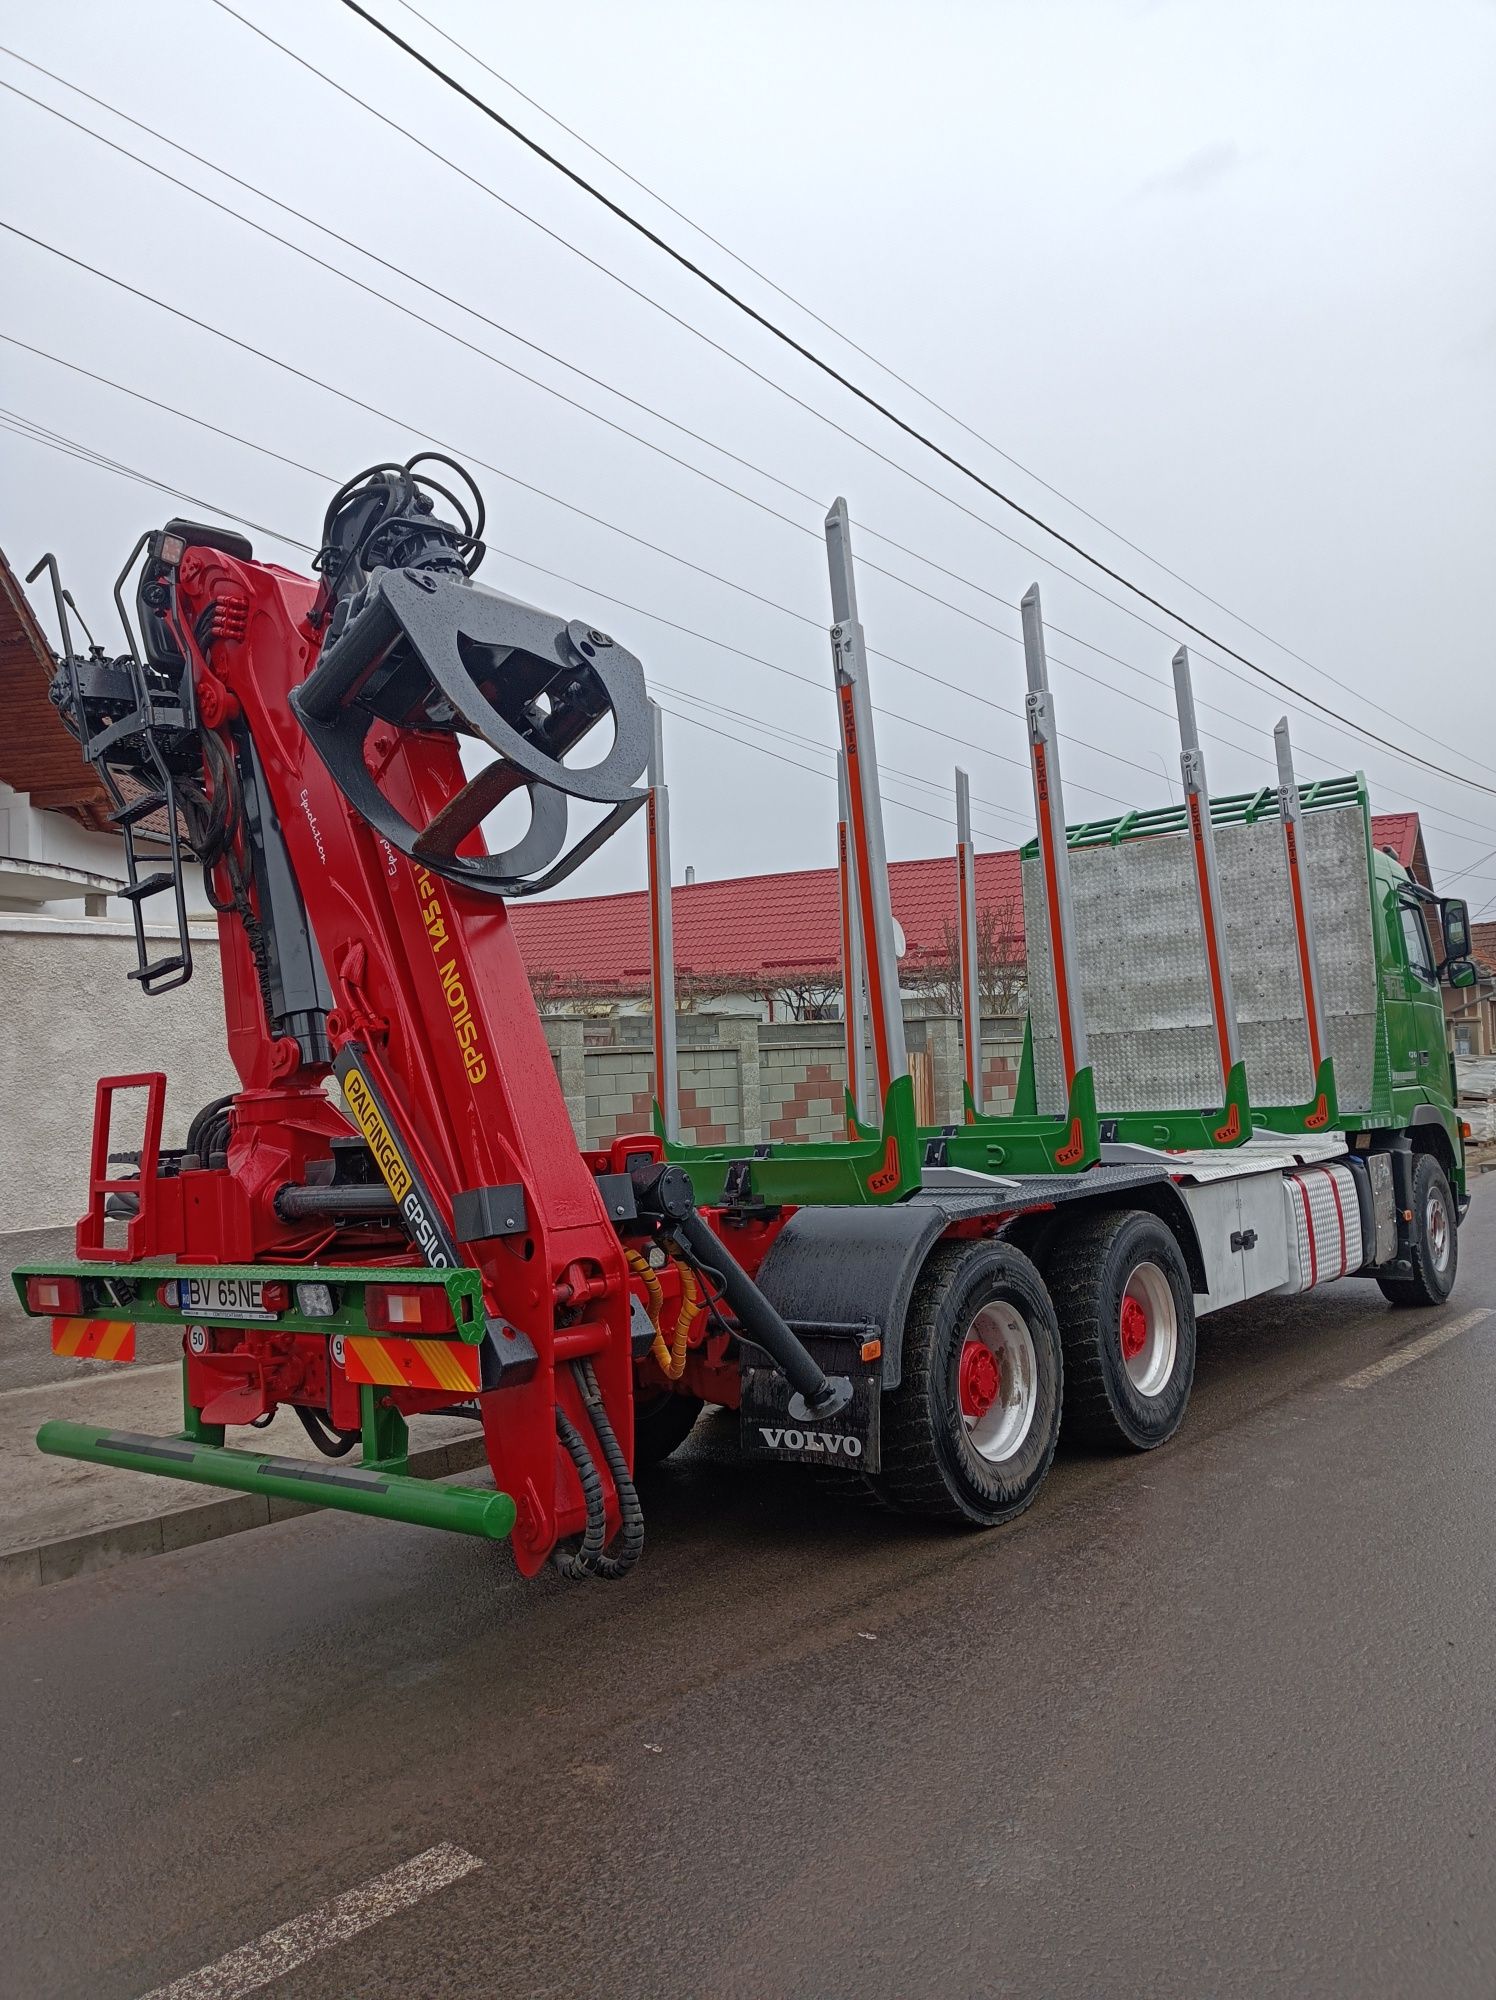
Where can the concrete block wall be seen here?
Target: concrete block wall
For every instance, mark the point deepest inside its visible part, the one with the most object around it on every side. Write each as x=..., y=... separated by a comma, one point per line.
x=745, y=1082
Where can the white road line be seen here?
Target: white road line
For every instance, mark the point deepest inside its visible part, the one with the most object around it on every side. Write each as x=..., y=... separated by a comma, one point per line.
x=1415, y=1350
x=280, y=1951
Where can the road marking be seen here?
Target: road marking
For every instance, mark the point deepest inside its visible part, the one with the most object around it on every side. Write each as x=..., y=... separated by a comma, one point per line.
x=1415, y=1350
x=280, y=1951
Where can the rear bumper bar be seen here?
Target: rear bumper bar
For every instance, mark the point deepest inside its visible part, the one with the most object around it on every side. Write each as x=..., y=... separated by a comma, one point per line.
x=357, y=1489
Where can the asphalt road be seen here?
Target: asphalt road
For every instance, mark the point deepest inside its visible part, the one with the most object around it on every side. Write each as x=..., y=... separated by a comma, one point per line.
x=1221, y=1721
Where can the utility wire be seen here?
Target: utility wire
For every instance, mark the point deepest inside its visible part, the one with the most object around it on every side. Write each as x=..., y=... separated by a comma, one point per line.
x=808, y=354
x=805, y=618
x=648, y=443
x=26, y=427
x=416, y=430
x=823, y=417
x=885, y=367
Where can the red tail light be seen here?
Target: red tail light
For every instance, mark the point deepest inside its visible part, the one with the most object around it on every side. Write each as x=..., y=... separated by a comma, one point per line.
x=55, y=1295
x=408, y=1309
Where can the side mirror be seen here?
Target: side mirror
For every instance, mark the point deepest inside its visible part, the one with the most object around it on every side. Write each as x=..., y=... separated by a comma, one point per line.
x=1454, y=914
x=1460, y=972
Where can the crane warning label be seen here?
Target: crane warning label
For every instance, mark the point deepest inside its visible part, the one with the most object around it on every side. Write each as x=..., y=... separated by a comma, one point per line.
x=416, y=1207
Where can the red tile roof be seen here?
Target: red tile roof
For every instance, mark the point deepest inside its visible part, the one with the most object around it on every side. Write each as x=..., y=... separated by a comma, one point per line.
x=768, y=930
x=37, y=755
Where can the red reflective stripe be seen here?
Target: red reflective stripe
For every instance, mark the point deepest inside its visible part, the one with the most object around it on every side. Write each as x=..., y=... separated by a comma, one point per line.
x=970, y=1024
x=1052, y=902
x=1301, y=938
x=871, y=961
x=1309, y=1226
x=850, y=998
x=1345, y=1255
x=656, y=952
x=1212, y=940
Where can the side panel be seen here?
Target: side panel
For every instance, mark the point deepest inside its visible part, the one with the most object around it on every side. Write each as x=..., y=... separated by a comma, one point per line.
x=1143, y=972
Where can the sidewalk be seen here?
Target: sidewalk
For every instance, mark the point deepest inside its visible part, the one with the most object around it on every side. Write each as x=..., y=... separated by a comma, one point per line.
x=60, y=1517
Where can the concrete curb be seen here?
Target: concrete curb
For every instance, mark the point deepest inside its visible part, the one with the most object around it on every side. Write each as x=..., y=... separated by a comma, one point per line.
x=159, y=1534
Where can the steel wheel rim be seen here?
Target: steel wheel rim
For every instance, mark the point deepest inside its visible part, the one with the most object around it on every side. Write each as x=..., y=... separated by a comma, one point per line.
x=1149, y=1330
x=999, y=1337
x=1436, y=1228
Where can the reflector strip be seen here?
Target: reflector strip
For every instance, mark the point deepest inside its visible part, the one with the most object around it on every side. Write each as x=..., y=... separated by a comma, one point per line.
x=94, y=1339
x=412, y=1364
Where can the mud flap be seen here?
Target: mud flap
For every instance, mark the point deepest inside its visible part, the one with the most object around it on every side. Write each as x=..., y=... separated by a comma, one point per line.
x=774, y=1420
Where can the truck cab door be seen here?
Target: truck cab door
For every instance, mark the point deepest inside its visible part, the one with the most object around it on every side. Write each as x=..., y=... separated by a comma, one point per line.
x=1416, y=1022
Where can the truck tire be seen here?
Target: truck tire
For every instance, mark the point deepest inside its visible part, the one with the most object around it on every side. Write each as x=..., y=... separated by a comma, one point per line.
x=969, y=1433
x=1436, y=1241
x=1126, y=1309
x=662, y=1422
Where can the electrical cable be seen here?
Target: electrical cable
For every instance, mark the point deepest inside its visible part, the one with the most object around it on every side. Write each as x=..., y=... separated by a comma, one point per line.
x=1357, y=730
x=886, y=367
x=808, y=354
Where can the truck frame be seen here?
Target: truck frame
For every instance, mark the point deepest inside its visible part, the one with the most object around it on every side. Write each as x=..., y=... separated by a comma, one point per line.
x=391, y=1216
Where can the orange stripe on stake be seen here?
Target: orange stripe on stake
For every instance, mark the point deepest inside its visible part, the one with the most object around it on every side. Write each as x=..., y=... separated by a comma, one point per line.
x=882, y=1062
x=1212, y=938
x=1052, y=903
x=1301, y=941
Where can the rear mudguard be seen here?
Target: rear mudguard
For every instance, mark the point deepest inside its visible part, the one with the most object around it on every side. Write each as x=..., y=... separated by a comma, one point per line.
x=841, y=1265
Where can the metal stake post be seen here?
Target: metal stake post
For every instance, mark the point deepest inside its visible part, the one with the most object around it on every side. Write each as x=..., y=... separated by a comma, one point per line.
x=865, y=808
x=1202, y=842
x=1049, y=811
x=854, y=998
x=661, y=931
x=966, y=934
x=1292, y=814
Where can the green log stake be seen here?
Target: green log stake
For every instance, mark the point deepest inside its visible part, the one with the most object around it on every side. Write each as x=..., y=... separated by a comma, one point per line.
x=392, y=1496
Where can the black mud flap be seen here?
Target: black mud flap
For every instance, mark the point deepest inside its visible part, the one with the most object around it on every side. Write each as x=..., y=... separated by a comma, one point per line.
x=776, y=1424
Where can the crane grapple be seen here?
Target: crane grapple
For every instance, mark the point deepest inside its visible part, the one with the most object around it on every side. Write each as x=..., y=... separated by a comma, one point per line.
x=391, y=1214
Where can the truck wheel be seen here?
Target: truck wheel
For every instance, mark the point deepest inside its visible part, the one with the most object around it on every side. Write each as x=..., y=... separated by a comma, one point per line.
x=662, y=1422
x=1436, y=1242
x=1127, y=1321
x=969, y=1432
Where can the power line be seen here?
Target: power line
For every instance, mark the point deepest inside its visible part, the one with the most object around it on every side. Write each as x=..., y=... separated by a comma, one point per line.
x=26, y=427
x=808, y=354
x=886, y=368
x=822, y=417
x=648, y=443
x=415, y=430
x=609, y=388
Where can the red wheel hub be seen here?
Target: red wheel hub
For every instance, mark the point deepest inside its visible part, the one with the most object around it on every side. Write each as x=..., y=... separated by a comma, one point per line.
x=1134, y=1329
x=981, y=1380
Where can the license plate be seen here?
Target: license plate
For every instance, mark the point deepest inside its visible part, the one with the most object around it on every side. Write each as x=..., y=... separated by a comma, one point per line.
x=222, y=1298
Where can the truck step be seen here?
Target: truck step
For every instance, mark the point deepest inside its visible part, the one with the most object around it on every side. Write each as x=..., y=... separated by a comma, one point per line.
x=148, y=885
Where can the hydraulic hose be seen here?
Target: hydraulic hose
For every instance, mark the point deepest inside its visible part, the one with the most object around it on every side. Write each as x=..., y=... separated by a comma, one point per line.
x=589, y=1558
x=578, y=1564
x=630, y=1513
x=331, y=1443
x=823, y=1394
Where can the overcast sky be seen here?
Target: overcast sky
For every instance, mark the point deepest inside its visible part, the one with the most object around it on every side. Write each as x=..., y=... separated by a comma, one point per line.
x=1222, y=275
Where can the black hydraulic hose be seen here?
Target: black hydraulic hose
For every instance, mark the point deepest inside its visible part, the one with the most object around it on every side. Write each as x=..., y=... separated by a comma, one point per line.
x=331, y=1443
x=823, y=1394
x=630, y=1513
x=578, y=1564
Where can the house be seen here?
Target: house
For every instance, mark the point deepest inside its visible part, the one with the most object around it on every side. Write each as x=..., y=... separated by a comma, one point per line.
x=1470, y=1011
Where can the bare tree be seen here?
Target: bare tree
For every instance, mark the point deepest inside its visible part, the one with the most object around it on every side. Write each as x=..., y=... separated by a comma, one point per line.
x=1002, y=964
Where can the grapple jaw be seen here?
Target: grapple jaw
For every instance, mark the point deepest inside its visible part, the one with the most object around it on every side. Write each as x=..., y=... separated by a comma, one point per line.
x=429, y=652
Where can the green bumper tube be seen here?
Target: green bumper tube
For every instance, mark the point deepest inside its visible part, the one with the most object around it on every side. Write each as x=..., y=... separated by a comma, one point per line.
x=391, y=1496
